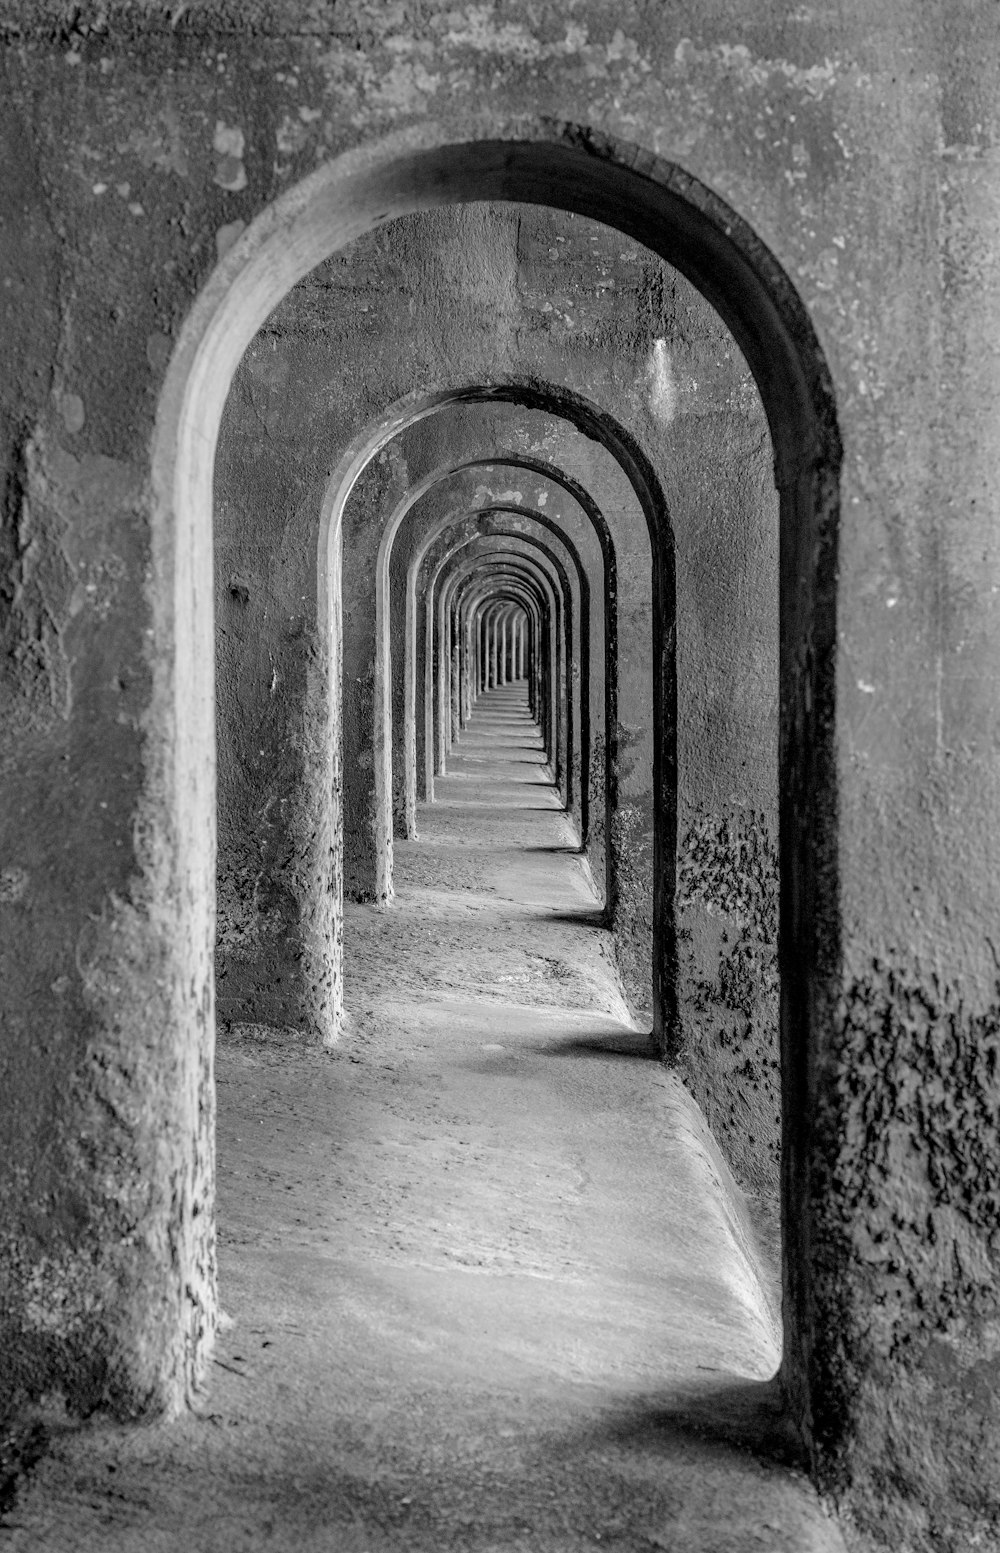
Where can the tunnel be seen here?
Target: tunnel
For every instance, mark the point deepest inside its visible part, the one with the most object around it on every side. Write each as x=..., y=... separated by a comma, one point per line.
x=498, y=1005
x=540, y=668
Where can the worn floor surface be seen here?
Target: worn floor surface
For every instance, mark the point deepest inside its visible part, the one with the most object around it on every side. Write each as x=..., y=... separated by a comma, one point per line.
x=486, y=1287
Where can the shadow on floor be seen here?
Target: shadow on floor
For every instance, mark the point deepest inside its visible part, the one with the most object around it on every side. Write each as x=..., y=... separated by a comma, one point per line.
x=750, y=1415
x=585, y=917
x=617, y=1043
x=706, y=1476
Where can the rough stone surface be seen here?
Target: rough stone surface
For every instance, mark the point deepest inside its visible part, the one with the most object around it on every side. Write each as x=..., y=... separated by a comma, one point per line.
x=856, y=149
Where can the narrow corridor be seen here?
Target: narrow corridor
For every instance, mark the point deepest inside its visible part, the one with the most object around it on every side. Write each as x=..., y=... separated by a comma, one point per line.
x=486, y=1288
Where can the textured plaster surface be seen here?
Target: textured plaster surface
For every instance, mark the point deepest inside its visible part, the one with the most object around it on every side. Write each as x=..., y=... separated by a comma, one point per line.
x=861, y=148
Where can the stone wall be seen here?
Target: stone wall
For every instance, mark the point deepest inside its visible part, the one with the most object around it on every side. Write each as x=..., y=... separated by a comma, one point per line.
x=153, y=216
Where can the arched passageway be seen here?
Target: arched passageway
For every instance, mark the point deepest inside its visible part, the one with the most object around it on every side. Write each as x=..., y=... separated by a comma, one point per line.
x=521, y=554
x=597, y=569
x=145, y=145
x=794, y=396
x=784, y=379
x=518, y=171
x=622, y=723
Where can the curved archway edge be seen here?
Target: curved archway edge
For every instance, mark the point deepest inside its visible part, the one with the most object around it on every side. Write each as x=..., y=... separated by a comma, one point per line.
x=335, y=500
x=532, y=558
x=656, y=203
x=573, y=611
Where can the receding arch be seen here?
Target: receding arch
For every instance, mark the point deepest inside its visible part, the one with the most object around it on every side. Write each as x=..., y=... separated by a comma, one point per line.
x=600, y=426
x=336, y=497
x=527, y=579
x=550, y=576
x=500, y=592
x=497, y=512
x=597, y=424
x=479, y=579
x=609, y=592
x=658, y=204
x=530, y=552
x=515, y=614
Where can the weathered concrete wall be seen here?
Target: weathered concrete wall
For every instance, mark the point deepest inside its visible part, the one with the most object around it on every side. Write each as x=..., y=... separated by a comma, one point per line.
x=727, y=677
x=278, y=875
x=106, y=1187
x=861, y=148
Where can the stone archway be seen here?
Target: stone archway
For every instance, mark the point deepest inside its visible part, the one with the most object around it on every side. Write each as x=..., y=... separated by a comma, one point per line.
x=661, y=207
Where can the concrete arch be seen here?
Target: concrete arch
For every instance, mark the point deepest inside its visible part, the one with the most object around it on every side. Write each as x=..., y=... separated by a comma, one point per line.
x=591, y=419
x=567, y=622
x=479, y=615
x=510, y=617
x=583, y=616
x=521, y=657
x=526, y=579
x=381, y=716
x=659, y=205
x=485, y=602
x=514, y=622
x=514, y=618
x=477, y=631
x=428, y=636
x=562, y=724
x=553, y=577
x=508, y=602
x=519, y=554
x=609, y=592
x=597, y=424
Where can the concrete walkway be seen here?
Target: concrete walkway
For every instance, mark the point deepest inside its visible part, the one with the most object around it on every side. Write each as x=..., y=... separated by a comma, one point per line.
x=488, y=1286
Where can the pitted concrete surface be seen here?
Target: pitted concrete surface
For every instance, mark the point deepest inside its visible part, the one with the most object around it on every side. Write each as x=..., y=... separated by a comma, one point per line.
x=488, y=1283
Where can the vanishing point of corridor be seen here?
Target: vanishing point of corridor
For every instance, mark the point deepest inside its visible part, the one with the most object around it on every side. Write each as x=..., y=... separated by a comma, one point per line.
x=486, y=1286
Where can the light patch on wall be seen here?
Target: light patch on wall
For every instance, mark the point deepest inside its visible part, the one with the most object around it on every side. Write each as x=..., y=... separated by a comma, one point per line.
x=72, y=411
x=752, y=70
x=484, y=496
x=159, y=144
x=475, y=28
x=13, y=884
x=291, y=135
x=158, y=348
x=228, y=144
x=661, y=384
x=405, y=88
x=227, y=235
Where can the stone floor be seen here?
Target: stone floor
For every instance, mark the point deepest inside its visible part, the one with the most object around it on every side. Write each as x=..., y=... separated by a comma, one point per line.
x=487, y=1283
